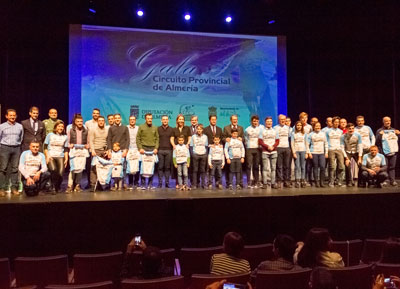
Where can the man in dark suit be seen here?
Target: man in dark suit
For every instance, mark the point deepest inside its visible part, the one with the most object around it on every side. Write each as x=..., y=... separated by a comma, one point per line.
x=226, y=137
x=212, y=131
x=34, y=129
x=228, y=129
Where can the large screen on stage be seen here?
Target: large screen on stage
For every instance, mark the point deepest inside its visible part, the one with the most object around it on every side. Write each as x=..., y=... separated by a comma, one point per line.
x=136, y=71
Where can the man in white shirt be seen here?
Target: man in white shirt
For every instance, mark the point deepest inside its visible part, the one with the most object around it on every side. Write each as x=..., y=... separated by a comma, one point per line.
x=284, y=152
x=33, y=168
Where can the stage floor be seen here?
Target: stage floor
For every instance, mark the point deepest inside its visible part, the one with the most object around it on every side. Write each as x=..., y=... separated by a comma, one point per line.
x=172, y=194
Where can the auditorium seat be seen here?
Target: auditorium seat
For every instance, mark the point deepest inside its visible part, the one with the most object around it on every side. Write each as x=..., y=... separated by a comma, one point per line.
x=255, y=254
x=298, y=279
x=168, y=256
x=387, y=269
x=175, y=282
x=200, y=281
x=5, y=278
x=350, y=250
x=359, y=277
x=99, y=285
x=91, y=268
x=196, y=260
x=41, y=271
x=372, y=250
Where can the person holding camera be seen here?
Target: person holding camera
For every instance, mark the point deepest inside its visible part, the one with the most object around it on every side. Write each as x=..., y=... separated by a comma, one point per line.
x=151, y=265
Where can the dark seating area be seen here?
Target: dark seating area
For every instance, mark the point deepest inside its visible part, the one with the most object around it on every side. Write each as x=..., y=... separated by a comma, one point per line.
x=192, y=266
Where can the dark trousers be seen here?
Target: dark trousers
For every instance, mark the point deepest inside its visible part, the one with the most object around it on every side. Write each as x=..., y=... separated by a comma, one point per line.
x=9, y=157
x=253, y=156
x=164, y=165
x=56, y=169
x=76, y=179
x=134, y=179
x=391, y=166
x=349, y=177
x=33, y=190
x=318, y=161
x=216, y=172
x=283, y=164
x=235, y=169
x=378, y=179
x=199, y=166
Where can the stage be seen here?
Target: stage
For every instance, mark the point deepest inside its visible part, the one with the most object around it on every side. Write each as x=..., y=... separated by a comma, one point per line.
x=105, y=221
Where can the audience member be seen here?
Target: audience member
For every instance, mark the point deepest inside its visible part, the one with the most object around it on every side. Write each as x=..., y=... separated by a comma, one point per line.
x=151, y=266
x=316, y=251
x=284, y=247
x=229, y=261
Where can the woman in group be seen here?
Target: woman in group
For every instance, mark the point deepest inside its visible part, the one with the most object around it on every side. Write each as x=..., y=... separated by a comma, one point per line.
x=229, y=261
x=180, y=129
x=315, y=251
x=298, y=144
x=56, y=152
x=317, y=147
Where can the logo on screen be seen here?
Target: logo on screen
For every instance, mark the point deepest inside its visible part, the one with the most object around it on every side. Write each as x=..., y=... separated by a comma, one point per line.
x=212, y=110
x=134, y=111
x=187, y=110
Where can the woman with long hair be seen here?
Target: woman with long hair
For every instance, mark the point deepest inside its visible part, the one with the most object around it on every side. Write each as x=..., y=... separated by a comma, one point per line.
x=298, y=144
x=56, y=152
x=316, y=251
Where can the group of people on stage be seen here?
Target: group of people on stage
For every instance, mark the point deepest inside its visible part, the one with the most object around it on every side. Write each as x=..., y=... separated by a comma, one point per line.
x=116, y=156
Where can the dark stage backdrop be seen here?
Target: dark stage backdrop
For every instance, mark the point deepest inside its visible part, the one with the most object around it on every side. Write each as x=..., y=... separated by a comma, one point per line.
x=342, y=59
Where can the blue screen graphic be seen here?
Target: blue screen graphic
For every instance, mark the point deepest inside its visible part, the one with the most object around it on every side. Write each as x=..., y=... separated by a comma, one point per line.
x=136, y=71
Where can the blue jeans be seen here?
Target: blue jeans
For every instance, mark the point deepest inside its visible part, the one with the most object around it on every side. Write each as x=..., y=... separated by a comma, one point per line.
x=269, y=167
x=391, y=166
x=9, y=158
x=182, y=174
x=319, y=163
x=300, y=165
x=216, y=172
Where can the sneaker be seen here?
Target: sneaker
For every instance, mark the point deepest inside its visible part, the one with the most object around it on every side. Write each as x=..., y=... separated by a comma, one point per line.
x=297, y=184
x=77, y=189
x=238, y=187
x=384, y=184
x=230, y=187
x=210, y=187
x=113, y=188
x=331, y=184
x=287, y=184
x=349, y=184
x=152, y=187
x=69, y=190
x=339, y=184
x=250, y=186
x=394, y=184
x=159, y=185
x=15, y=192
x=220, y=186
x=321, y=184
x=2, y=193
x=194, y=187
x=143, y=188
x=256, y=186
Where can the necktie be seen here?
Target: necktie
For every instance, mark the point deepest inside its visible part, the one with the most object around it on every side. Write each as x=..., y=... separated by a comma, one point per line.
x=213, y=130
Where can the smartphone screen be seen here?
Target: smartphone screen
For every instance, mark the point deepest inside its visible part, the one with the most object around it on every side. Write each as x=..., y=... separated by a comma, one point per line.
x=138, y=239
x=234, y=286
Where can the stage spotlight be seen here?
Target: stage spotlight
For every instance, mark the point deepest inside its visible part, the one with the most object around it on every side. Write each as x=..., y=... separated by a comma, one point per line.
x=187, y=16
x=91, y=10
x=228, y=19
x=271, y=21
x=140, y=13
